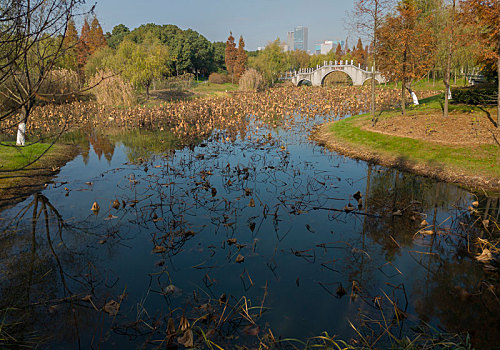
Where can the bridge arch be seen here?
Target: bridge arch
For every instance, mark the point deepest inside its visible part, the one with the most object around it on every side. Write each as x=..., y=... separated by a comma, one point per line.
x=337, y=72
x=376, y=79
x=304, y=82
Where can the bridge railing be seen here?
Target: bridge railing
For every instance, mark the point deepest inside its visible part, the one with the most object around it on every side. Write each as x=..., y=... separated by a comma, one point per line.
x=341, y=63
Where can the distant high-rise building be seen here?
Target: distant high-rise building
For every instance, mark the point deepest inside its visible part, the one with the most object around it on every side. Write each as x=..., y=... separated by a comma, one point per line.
x=300, y=37
x=290, y=40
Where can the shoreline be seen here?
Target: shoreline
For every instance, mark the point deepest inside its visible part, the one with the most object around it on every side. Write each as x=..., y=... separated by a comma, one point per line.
x=15, y=186
x=325, y=136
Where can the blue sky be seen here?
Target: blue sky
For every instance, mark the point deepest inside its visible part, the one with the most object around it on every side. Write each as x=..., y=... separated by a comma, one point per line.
x=259, y=21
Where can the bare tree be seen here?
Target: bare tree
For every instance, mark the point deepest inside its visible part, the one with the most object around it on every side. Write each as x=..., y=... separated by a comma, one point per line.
x=367, y=18
x=31, y=38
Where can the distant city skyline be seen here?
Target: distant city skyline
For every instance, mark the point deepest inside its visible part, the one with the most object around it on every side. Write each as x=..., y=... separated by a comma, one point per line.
x=259, y=21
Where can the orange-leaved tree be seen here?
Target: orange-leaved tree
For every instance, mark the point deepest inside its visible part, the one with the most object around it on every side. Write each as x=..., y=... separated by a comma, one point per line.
x=359, y=53
x=83, y=47
x=405, y=47
x=96, y=39
x=231, y=56
x=241, y=59
x=483, y=16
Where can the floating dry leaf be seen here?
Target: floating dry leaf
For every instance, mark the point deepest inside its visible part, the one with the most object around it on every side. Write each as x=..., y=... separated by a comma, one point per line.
x=95, y=208
x=240, y=258
x=348, y=208
x=485, y=256
x=159, y=249
x=252, y=203
x=116, y=204
x=424, y=223
x=186, y=339
x=475, y=203
x=111, y=307
x=232, y=241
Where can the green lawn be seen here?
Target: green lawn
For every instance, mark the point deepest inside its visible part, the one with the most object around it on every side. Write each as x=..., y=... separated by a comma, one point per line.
x=13, y=157
x=425, y=84
x=480, y=159
x=207, y=88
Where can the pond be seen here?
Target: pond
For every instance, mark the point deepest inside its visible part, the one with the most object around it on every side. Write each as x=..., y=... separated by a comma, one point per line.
x=261, y=236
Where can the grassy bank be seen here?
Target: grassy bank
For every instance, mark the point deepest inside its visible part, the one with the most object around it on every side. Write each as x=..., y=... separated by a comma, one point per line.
x=19, y=178
x=459, y=160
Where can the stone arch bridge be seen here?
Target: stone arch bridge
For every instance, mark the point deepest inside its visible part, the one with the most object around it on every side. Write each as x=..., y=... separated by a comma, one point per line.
x=317, y=75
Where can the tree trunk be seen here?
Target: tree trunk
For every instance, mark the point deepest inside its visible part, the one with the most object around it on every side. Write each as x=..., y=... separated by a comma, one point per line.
x=413, y=95
x=403, y=97
x=147, y=91
x=21, y=128
x=373, y=94
x=498, y=77
x=447, y=93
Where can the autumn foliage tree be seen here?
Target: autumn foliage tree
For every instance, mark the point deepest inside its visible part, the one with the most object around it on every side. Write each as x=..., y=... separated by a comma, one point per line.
x=83, y=51
x=483, y=18
x=405, y=48
x=241, y=59
x=231, y=56
x=96, y=39
x=359, y=54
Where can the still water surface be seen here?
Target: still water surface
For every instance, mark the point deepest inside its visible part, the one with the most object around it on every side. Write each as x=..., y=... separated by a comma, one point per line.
x=257, y=218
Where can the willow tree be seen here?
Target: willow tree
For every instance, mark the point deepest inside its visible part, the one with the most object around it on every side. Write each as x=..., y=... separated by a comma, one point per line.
x=405, y=48
x=142, y=63
x=31, y=33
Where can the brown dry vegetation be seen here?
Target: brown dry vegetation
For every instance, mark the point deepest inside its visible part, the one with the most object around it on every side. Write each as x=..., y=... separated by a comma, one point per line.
x=195, y=119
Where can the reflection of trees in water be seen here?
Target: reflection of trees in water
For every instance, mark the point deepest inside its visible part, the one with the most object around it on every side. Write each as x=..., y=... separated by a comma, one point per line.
x=43, y=279
x=459, y=293
x=402, y=200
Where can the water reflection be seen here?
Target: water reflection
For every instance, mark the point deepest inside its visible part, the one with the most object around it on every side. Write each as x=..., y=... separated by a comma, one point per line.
x=242, y=238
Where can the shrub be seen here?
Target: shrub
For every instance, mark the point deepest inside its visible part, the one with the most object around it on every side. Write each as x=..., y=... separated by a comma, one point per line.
x=475, y=95
x=111, y=89
x=251, y=80
x=219, y=78
x=60, y=85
